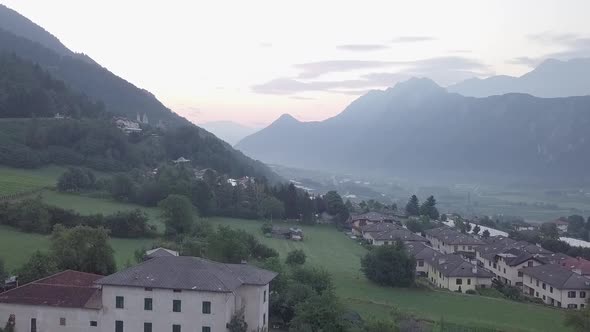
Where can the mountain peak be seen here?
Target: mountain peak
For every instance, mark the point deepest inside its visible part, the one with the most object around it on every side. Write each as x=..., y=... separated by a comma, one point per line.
x=286, y=118
x=416, y=85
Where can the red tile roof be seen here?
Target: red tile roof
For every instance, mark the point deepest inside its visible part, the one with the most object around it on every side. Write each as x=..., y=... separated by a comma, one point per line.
x=577, y=264
x=70, y=289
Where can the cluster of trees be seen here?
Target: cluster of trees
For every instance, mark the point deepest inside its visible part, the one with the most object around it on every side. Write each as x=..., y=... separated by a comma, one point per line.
x=548, y=238
x=81, y=248
x=215, y=195
x=32, y=215
x=427, y=208
x=419, y=225
x=76, y=179
x=303, y=299
x=578, y=227
x=372, y=205
x=390, y=265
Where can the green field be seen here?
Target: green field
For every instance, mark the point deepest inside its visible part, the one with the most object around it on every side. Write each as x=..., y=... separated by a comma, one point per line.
x=14, y=181
x=16, y=247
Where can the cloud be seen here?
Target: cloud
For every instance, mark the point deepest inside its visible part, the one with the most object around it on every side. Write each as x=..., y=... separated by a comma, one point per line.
x=444, y=70
x=319, y=68
x=525, y=61
x=302, y=98
x=362, y=47
x=460, y=51
x=412, y=39
x=572, y=46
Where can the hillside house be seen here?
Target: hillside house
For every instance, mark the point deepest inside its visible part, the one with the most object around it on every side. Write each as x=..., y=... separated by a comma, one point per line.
x=556, y=286
x=448, y=241
x=422, y=253
x=356, y=222
x=453, y=273
x=392, y=235
x=174, y=293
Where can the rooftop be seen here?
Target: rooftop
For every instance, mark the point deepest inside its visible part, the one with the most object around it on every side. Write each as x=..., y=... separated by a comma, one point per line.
x=189, y=273
x=372, y=216
x=451, y=265
x=401, y=234
x=67, y=289
x=160, y=252
x=557, y=276
x=451, y=236
x=379, y=227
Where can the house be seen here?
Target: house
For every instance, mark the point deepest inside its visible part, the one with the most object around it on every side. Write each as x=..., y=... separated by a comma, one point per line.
x=448, y=241
x=295, y=234
x=173, y=293
x=578, y=265
x=355, y=222
x=160, y=252
x=68, y=301
x=422, y=253
x=507, y=264
x=561, y=224
x=556, y=286
x=127, y=126
x=181, y=160
x=454, y=273
x=375, y=228
x=391, y=235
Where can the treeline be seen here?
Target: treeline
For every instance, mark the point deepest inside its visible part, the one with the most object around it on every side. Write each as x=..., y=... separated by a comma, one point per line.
x=34, y=216
x=27, y=90
x=214, y=194
x=548, y=238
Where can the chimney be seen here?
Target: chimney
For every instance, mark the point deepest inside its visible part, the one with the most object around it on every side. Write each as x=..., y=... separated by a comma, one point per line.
x=474, y=270
x=577, y=271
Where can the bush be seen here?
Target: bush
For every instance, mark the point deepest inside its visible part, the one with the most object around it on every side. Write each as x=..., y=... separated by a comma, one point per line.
x=389, y=265
x=76, y=179
x=296, y=257
x=471, y=292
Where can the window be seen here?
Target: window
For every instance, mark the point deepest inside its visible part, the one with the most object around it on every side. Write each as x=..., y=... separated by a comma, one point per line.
x=62, y=321
x=531, y=280
x=118, y=326
x=206, y=329
x=176, y=305
x=543, y=297
x=459, y=281
x=456, y=248
x=119, y=302
x=550, y=289
x=420, y=263
x=177, y=290
x=582, y=305
x=572, y=306
x=386, y=242
x=264, y=299
x=469, y=281
x=544, y=286
x=148, y=303
x=489, y=263
x=148, y=289
x=495, y=266
x=504, y=270
x=571, y=294
x=33, y=324
x=263, y=319
x=530, y=263
x=582, y=295
x=206, y=307
x=537, y=294
x=147, y=327
x=175, y=328
x=519, y=274
x=537, y=283
x=93, y=323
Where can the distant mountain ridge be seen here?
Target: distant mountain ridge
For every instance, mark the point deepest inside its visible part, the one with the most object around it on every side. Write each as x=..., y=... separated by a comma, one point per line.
x=229, y=131
x=551, y=79
x=418, y=128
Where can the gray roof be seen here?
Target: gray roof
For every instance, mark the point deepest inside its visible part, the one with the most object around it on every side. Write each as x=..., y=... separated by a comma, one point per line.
x=516, y=256
x=401, y=234
x=557, y=276
x=372, y=216
x=379, y=227
x=491, y=250
x=189, y=273
x=421, y=251
x=451, y=236
x=451, y=265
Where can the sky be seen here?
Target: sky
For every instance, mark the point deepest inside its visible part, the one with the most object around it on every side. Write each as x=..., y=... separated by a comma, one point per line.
x=251, y=61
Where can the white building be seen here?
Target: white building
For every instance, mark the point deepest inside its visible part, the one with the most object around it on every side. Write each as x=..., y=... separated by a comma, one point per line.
x=556, y=286
x=172, y=293
x=453, y=273
x=449, y=241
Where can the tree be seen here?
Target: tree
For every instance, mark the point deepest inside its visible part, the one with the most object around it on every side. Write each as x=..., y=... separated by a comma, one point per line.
x=202, y=197
x=379, y=326
x=413, y=207
x=389, y=265
x=237, y=322
x=3, y=273
x=579, y=320
x=485, y=234
x=319, y=313
x=318, y=279
x=476, y=229
x=443, y=217
x=577, y=226
x=177, y=212
x=122, y=187
x=291, y=210
x=39, y=265
x=76, y=179
x=549, y=230
x=82, y=248
x=428, y=208
x=295, y=257
x=335, y=206
x=271, y=208
x=128, y=224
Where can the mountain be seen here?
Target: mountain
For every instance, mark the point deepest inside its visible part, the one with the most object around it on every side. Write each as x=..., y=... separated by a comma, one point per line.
x=551, y=79
x=29, y=41
x=228, y=131
x=419, y=129
x=39, y=78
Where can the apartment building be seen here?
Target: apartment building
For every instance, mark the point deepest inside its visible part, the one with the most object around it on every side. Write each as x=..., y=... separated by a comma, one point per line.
x=454, y=273
x=170, y=293
x=556, y=286
x=448, y=241
x=391, y=235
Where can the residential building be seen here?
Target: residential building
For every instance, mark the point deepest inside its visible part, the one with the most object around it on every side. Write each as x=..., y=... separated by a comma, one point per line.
x=422, y=253
x=556, y=286
x=561, y=225
x=356, y=222
x=169, y=293
x=507, y=264
x=390, y=236
x=448, y=241
x=578, y=265
x=453, y=273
